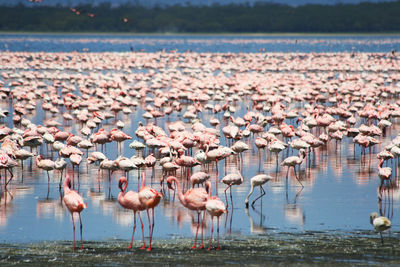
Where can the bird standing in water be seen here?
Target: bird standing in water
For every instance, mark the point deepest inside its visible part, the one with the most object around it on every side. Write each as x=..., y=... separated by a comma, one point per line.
x=257, y=180
x=380, y=223
x=74, y=202
x=149, y=198
x=130, y=200
x=293, y=161
x=215, y=207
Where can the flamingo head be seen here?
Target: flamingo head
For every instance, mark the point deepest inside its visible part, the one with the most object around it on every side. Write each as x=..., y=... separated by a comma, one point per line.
x=169, y=182
x=67, y=181
x=121, y=182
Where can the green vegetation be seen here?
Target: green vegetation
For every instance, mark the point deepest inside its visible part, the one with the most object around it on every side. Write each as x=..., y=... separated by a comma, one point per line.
x=234, y=18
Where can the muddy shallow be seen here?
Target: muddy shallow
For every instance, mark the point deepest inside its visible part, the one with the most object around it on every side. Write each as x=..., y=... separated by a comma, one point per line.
x=307, y=248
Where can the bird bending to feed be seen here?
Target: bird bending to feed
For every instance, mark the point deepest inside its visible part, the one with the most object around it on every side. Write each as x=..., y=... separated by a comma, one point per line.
x=380, y=223
x=149, y=198
x=74, y=203
x=130, y=200
x=257, y=180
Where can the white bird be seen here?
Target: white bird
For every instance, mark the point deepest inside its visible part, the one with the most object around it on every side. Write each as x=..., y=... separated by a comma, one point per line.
x=96, y=156
x=293, y=161
x=232, y=179
x=380, y=223
x=199, y=178
x=125, y=164
x=60, y=164
x=239, y=147
x=257, y=180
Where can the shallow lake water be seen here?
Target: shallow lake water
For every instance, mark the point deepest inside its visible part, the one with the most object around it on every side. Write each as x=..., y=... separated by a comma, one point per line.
x=325, y=222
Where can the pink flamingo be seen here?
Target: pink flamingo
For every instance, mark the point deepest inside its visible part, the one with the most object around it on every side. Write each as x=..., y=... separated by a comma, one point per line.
x=215, y=207
x=193, y=199
x=149, y=198
x=119, y=136
x=75, y=159
x=130, y=200
x=101, y=137
x=45, y=164
x=384, y=174
x=74, y=203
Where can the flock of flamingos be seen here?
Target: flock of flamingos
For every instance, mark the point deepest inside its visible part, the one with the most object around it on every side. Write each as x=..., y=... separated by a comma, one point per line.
x=281, y=103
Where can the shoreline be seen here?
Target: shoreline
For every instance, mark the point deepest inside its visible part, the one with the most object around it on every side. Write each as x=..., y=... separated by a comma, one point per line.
x=307, y=249
x=393, y=34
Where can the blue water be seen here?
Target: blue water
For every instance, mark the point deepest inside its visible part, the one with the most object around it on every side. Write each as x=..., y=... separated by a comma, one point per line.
x=339, y=193
x=198, y=43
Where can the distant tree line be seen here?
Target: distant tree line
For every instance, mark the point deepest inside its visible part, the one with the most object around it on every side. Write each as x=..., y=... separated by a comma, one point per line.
x=233, y=18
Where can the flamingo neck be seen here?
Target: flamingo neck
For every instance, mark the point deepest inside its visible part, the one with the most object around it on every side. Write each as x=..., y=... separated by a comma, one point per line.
x=123, y=187
x=180, y=194
x=208, y=188
x=143, y=180
x=248, y=196
x=66, y=186
x=380, y=163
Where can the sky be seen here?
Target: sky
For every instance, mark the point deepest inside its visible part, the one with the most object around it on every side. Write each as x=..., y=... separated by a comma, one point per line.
x=192, y=2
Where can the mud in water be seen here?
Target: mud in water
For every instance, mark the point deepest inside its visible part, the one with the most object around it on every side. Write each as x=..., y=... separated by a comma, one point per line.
x=308, y=248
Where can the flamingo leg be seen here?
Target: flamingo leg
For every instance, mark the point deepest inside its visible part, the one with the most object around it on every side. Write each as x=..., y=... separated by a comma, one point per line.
x=151, y=227
x=381, y=237
x=226, y=198
x=60, y=179
x=218, y=248
x=230, y=193
x=141, y=222
x=202, y=228
x=80, y=220
x=298, y=178
x=212, y=230
x=134, y=228
x=197, y=230
x=261, y=195
x=73, y=227
x=12, y=176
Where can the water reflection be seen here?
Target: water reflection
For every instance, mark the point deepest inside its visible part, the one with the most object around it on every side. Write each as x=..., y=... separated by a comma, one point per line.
x=336, y=170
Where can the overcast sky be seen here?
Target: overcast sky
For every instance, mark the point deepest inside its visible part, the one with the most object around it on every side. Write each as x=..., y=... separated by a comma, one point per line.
x=192, y=2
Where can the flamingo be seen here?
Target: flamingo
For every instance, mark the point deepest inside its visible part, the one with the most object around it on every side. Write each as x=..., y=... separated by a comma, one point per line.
x=45, y=164
x=232, y=179
x=60, y=164
x=215, y=207
x=257, y=180
x=130, y=200
x=149, y=198
x=22, y=155
x=380, y=223
x=74, y=202
x=6, y=163
x=199, y=178
x=384, y=174
x=193, y=199
x=293, y=161
x=109, y=165
x=119, y=136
